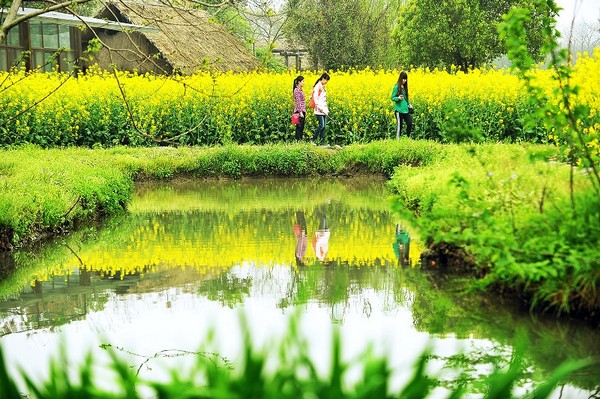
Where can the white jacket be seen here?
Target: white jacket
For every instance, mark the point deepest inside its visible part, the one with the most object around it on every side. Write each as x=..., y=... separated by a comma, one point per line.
x=320, y=97
x=321, y=244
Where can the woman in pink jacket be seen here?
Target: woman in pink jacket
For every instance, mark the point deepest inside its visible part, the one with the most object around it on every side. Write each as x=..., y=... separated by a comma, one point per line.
x=299, y=105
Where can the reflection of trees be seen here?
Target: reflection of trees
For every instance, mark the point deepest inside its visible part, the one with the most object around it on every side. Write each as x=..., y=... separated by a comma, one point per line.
x=474, y=365
x=444, y=308
x=37, y=311
x=226, y=289
x=341, y=285
x=436, y=312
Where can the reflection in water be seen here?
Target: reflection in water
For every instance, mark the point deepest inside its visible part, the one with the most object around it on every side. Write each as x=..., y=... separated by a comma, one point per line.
x=153, y=278
x=320, y=241
x=301, y=234
x=402, y=246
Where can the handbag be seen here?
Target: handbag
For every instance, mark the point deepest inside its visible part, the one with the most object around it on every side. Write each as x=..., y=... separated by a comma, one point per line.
x=295, y=118
x=311, y=102
x=411, y=109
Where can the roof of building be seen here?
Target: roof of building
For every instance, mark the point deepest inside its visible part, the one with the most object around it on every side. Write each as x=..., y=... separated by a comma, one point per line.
x=187, y=38
x=73, y=20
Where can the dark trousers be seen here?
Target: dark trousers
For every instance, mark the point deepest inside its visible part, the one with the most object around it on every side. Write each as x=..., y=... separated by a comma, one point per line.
x=399, y=119
x=319, y=137
x=300, y=128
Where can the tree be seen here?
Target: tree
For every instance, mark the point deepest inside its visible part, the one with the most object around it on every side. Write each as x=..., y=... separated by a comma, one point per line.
x=343, y=33
x=267, y=21
x=257, y=22
x=582, y=36
x=229, y=16
x=440, y=33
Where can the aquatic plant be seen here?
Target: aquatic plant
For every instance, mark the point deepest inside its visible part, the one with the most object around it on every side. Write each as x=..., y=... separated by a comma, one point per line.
x=283, y=370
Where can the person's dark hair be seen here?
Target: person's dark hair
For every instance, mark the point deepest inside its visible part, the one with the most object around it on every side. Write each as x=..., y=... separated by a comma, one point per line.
x=325, y=76
x=299, y=79
x=403, y=75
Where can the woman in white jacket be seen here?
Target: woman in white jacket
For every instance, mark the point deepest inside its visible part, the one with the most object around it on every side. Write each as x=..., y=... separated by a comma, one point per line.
x=321, y=110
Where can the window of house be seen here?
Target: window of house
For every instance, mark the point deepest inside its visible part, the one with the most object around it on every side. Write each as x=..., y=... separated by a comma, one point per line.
x=39, y=63
x=3, y=62
x=46, y=39
x=35, y=33
x=12, y=51
x=50, y=35
x=11, y=57
x=66, y=60
x=64, y=36
x=14, y=38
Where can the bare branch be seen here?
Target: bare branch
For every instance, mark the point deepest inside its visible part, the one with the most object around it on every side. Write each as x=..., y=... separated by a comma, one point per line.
x=215, y=5
x=40, y=100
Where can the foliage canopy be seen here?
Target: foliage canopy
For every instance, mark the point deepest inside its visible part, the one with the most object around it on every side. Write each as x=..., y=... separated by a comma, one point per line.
x=343, y=34
x=434, y=33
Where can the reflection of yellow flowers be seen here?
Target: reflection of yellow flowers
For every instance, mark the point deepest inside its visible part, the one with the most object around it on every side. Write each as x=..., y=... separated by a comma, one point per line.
x=152, y=245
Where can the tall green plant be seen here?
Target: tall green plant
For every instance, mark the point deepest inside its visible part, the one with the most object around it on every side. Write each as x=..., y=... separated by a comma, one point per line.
x=561, y=111
x=296, y=375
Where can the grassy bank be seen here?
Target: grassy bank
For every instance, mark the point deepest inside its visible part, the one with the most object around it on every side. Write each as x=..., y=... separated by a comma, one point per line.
x=45, y=191
x=509, y=207
x=528, y=224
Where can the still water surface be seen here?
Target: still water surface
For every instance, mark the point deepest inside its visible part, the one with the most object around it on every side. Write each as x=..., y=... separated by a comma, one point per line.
x=190, y=257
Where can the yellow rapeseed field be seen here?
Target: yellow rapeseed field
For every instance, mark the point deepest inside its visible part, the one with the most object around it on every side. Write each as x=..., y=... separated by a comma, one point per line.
x=101, y=108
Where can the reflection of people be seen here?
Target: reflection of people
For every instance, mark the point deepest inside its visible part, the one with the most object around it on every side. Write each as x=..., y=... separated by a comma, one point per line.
x=320, y=241
x=301, y=237
x=402, y=246
x=402, y=105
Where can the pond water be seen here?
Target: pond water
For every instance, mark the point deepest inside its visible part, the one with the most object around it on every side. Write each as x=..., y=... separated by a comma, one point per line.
x=191, y=257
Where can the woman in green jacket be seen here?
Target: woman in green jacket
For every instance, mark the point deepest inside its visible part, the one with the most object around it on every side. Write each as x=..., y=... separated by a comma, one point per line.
x=402, y=105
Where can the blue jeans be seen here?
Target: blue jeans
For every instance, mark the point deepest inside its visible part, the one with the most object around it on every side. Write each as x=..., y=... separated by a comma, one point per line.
x=319, y=137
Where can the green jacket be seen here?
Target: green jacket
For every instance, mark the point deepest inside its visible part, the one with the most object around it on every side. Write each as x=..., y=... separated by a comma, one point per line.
x=399, y=105
x=401, y=245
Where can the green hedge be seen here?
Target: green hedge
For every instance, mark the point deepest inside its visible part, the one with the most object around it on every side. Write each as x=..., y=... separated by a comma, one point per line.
x=44, y=190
